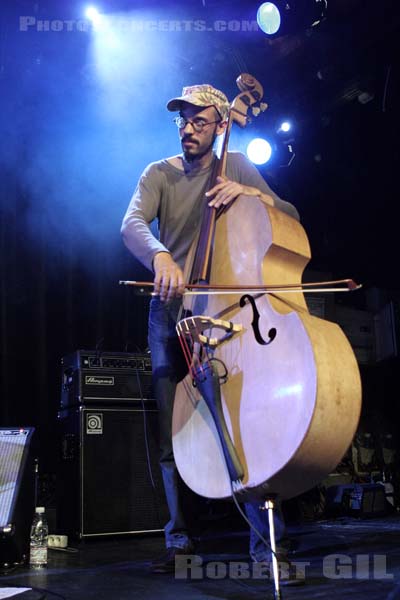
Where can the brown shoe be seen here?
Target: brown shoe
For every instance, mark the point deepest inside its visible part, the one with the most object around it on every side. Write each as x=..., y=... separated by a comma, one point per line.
x=166, y=562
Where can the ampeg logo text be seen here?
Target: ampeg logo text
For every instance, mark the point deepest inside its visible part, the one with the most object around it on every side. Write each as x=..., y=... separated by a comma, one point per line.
x=94, y=423
x=93, y=380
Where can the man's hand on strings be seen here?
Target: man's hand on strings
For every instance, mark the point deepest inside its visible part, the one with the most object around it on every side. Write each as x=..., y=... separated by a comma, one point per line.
x=225, y=191
x=168, y=280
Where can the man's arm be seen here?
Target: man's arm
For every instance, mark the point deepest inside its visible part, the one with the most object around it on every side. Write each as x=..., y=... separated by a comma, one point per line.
x=244, y=178
x=226, y=190
x=142, y=210
x=139, y=239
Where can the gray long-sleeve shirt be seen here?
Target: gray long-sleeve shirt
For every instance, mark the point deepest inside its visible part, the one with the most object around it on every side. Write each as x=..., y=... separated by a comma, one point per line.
x=176, y=198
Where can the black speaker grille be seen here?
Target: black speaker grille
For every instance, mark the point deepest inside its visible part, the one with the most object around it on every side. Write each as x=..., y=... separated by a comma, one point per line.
x=120, y=483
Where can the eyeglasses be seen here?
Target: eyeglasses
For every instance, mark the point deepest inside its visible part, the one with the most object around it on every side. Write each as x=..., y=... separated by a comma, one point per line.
x=198, y=124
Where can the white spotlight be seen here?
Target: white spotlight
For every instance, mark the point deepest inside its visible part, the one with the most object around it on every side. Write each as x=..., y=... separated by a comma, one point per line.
x=285, y=126
x=269, y=18
x=93, y=14
x=259, y=151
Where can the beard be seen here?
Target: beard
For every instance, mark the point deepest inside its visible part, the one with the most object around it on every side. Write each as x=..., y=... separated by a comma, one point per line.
x=198, y=150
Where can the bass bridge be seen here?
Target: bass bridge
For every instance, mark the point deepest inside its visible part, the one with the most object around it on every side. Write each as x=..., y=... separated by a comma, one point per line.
x=193, y=328
x=198, y=344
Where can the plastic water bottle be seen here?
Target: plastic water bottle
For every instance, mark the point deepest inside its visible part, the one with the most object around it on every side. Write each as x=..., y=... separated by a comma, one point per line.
x=38, y=541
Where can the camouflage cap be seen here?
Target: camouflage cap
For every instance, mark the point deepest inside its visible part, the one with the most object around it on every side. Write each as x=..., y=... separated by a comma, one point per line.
x=201, y=95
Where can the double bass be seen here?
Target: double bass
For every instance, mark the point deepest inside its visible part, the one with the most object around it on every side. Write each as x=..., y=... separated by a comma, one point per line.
x=272, y=397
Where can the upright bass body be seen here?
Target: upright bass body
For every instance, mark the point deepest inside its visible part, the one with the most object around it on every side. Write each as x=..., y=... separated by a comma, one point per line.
x=291, y=402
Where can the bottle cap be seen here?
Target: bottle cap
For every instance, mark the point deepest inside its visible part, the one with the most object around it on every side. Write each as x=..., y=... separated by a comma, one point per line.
x=39, y=509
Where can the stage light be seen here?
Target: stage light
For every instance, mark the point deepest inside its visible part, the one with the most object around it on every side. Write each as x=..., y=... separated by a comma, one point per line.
x=284, y=127
x=93, y=14
x=283, y=17
x=269, y=18
x=259, y=151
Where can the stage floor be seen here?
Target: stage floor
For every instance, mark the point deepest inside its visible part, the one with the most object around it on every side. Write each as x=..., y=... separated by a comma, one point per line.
x=342, y=558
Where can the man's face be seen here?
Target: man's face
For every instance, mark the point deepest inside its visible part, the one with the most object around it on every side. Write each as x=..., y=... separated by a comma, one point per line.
x=197, y=144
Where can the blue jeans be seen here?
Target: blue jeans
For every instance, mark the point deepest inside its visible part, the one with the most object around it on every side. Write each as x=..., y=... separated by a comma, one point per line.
x=169, y=368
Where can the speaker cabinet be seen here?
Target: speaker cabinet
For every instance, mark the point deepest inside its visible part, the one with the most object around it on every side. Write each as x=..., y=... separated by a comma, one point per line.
x=109, y=480
x=16, y=494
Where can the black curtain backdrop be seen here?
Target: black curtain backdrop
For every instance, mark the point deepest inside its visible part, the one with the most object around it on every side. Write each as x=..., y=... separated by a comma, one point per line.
x=53, y=303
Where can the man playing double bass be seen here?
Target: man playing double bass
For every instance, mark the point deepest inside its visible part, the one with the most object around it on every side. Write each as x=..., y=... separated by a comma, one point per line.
x=174, y=191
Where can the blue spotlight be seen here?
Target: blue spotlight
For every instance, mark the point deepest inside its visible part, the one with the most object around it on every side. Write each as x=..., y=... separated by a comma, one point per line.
x=269, y=18
x=259, y=151
x=93, y=14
